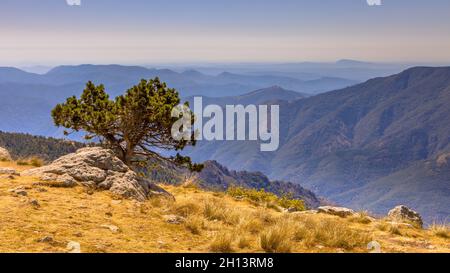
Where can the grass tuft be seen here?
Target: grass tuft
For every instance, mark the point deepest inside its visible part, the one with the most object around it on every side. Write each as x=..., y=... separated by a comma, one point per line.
x=276, y=239
x=440, y=230
x=222, y=243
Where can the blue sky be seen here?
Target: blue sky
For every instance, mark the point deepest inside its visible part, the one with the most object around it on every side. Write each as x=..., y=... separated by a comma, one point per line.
x=151, y=31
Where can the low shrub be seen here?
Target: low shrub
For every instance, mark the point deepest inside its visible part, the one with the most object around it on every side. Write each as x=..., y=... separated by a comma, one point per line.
x=267, y=198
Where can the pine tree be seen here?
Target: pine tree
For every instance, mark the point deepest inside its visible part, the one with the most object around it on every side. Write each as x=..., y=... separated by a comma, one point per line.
x=134, y=125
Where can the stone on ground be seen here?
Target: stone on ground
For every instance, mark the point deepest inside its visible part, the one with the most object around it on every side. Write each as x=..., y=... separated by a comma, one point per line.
x=403, y=213
x=338, y=211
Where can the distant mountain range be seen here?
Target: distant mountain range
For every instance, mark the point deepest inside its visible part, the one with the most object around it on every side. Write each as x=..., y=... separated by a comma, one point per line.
x=370, y=146
x=118, y=78
x=27, y=98
x=348, y=69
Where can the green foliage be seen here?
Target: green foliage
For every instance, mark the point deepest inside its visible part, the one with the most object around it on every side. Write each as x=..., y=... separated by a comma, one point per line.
x=262, y=197
x=28, y=146
x=134, y=125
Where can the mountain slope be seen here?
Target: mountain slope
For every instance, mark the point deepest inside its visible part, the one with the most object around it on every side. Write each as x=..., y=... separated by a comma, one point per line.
x=339, y=142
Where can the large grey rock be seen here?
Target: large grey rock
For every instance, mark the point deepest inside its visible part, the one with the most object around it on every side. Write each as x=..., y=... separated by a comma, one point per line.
x=404, y=213
x=97, y=168
x=4, y=154
x=338, y=211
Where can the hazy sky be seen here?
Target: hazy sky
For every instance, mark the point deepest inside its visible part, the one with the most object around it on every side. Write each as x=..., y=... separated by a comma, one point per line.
x=152, y=31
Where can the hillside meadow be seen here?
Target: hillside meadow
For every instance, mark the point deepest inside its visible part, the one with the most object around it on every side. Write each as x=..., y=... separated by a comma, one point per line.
x=36, y=217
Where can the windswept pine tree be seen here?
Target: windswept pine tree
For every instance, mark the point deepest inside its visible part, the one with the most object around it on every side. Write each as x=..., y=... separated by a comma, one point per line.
x=135, y=125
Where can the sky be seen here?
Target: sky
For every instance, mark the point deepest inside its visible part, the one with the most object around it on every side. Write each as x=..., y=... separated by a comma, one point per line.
x=185, y=31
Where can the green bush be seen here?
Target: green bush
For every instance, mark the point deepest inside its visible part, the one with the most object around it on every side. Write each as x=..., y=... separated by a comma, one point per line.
x=267, y=198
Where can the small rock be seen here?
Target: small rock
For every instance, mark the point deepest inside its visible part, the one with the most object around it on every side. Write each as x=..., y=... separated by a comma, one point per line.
x=374, y=247
x=109, y=214
x=78, y=234
x=19, y=191
x=46, y=239
x=112, y=228
x=9, y=171
x=304, y=212
x=116, y=202
x=174, y=219
x=403, y=213
x=35, y=203
x=4, y=155
x=338, y=211
x=73, y=247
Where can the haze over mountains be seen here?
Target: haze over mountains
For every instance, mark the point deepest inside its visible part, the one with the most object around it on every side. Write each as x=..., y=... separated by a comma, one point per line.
x=35, y=94
x=369, y=146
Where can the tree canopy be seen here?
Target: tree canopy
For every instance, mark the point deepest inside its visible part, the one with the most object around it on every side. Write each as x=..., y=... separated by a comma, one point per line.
x=135, y=125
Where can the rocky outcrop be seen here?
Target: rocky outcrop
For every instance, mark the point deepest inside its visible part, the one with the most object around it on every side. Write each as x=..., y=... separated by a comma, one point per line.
x=97, y=168
x=5, y=155
x=403, y=213
x=338, y=211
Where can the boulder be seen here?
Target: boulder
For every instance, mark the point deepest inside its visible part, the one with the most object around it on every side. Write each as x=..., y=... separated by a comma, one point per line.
x=338, y=211
x=4, y=155
x=97, y=168
x=403, y=213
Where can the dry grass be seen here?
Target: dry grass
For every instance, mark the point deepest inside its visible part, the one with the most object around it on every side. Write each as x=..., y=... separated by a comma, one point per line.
x=329, y=232
x=361, y=217
x=195, y=224
x=244, y=242
x=222, y=243
x=276, y=239
x=440, y=230
x=394, y=230
x=220, y=212
x=213, y=222
x=33, y=161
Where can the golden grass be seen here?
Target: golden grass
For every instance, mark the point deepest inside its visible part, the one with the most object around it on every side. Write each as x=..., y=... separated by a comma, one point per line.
x=33, y=161
x=222, y=243
x=276, y=239
x=440, y=230
x=213, y=223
